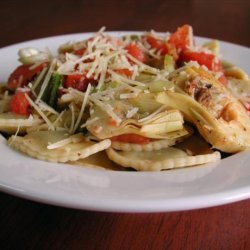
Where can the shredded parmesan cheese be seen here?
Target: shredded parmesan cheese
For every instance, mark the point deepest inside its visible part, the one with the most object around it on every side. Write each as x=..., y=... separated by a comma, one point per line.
x=131, y=112
x=45, y=107
x=82, y=107
x=106, y=108
x=128, y=95
x=46, y=80
x=72, y=109
x=39, y=111
x=64, y=142
x=15, y=135
x=152, y=115
x=88, y=122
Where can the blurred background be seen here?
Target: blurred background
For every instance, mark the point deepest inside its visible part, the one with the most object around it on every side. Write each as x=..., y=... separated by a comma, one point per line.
x=29, y=19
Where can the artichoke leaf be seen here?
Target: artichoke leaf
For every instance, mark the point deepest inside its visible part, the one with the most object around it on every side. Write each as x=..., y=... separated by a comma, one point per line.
x=164, y=127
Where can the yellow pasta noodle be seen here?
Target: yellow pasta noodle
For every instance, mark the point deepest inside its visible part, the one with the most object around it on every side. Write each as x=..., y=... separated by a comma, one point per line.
x=56, y=146
x=168, y=158
x=10, y=123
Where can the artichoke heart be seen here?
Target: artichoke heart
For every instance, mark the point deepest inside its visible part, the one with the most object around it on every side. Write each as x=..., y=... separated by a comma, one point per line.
x=167, y=124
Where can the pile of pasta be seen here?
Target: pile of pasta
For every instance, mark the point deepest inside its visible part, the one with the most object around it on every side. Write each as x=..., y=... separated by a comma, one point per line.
x=147, y=102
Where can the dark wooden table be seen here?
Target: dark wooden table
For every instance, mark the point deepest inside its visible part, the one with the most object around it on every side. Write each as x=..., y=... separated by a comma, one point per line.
x=29, y=225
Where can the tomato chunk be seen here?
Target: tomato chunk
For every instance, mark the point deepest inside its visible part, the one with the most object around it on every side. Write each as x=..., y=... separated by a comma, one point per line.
x=19, y=104
x=79, y=82
x=124, y=72
x=157, y=44
x=182, y=38
x=79, y=52
x=135, y=51
x=111, y=122
x=131, y=138
x=223, y=80
x=208, y=60
x=21, y=76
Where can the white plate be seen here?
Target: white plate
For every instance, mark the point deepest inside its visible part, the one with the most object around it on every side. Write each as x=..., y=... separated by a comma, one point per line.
x=105, y=190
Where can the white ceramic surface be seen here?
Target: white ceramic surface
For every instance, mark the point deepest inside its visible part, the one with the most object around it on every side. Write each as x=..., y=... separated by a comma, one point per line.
x=104, y=190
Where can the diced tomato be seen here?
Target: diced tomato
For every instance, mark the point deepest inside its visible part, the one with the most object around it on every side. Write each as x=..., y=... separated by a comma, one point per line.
x=112, y=123
x=131, y=138
x=182, y=38
x=21, y=76
x=208, y=60
x=19, y=104
x=217, y=66
x=135, y=51
x=80, y=52
x=157, y=44
x=79, y=82
x=125, y=72
x=223, y=80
